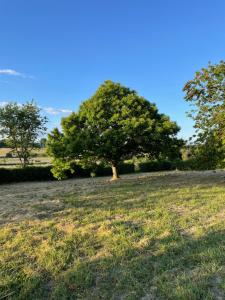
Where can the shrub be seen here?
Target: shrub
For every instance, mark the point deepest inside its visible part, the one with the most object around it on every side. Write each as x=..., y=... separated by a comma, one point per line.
x=154, y=166
x=186, y=165
x=102, y=170
x=9, y=155
x=25, y=174
x=126, y=168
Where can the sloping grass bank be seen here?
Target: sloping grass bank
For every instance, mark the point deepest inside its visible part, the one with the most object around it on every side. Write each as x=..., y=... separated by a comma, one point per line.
x=151, y=236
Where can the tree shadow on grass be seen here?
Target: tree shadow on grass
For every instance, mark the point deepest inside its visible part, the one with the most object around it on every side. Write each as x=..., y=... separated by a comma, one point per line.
x=175, y=267
x=133, y=196
x=187, y=268
x=128, y=193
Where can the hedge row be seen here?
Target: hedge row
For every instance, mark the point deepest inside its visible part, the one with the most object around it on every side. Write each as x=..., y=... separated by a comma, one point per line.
x=124, y=168
x=8, y=175
x=43, y=173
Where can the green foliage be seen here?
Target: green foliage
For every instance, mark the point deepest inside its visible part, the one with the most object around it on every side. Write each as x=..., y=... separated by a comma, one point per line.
x=60, y=169
x=8, y=175
x=210, y=154
x=76, y=170
x=21, y=125
x=113, y=125
x=9, y=155
x=206, y=91
x=3, y=144
x=43, y=173
x=153, y=166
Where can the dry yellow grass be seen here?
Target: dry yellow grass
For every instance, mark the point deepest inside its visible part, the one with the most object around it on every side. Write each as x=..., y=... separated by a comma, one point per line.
x=4, y=151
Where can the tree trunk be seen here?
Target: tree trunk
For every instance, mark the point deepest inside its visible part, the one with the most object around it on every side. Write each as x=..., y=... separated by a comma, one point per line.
x=25, y=162
x=115, y=172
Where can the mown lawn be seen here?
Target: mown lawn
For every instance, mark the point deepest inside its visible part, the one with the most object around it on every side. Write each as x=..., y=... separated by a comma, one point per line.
x=147, y=236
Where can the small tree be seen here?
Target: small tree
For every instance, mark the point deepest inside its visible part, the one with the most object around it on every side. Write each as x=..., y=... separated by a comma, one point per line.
x=21, y=125
x=113, y=125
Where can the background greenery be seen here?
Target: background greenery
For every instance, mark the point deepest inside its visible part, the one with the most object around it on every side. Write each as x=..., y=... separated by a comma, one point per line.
x=42, y=173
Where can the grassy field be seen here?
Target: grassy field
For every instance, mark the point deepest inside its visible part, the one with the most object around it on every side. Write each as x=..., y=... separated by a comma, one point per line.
x=147, y=236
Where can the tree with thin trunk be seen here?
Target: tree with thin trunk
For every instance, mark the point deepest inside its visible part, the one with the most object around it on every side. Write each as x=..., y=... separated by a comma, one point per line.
x=21, y=125
x=113, y=125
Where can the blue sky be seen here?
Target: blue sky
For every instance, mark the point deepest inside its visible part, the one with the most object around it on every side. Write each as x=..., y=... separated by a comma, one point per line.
x=59, y=52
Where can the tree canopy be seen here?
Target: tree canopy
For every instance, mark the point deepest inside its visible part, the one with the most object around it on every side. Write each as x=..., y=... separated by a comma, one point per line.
x=21, y=125
x=113, y=125
x=206, y=92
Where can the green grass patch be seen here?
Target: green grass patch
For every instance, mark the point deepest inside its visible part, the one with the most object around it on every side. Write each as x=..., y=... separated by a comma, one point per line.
x=147, y=236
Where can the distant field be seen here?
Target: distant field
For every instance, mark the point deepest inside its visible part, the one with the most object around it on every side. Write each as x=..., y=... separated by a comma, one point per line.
x=40, y=158
x=4, y=151
x=147, y=236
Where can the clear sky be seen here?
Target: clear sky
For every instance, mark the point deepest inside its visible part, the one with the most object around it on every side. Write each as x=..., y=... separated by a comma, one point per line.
x=59, y=51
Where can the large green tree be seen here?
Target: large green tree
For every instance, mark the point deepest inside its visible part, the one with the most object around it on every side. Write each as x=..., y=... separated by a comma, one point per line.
x=206, y=93
x=113, y=125
x=21, y=125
